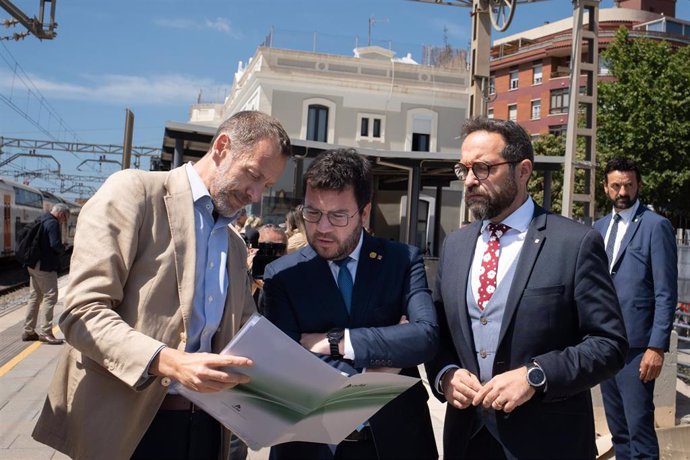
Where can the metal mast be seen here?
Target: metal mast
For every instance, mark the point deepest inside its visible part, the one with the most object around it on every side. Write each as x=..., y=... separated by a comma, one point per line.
x=582, y=111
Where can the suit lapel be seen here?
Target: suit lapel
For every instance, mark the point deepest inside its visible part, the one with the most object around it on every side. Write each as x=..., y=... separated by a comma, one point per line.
x=365, y=282
x=630, y=232
x=320, y=277
x=180, y=210
x=458, y=317
x=534, y=240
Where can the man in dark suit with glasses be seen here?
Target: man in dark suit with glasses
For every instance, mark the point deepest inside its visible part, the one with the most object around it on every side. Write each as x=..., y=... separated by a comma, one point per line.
x=359, y=302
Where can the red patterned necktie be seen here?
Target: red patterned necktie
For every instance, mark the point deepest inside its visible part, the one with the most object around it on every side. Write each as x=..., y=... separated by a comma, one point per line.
x=489, y=268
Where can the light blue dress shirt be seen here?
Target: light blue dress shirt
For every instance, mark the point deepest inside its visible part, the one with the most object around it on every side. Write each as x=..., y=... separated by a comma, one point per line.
x=211, y=274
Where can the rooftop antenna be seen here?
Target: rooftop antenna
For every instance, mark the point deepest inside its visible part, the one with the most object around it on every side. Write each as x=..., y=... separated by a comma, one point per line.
x=372, y=21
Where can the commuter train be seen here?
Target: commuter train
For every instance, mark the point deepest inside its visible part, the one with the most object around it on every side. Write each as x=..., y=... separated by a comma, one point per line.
x=21, y=205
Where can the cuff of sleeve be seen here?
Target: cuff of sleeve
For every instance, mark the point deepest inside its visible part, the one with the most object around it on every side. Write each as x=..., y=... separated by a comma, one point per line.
x=147, y=375
x=349, y=351
x=439, y=377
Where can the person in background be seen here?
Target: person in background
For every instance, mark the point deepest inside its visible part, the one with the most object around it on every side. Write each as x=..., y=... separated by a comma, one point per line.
x=43, y=284
x=271, y=245
x=251, y=230
x=158, y=286
x=528, y=313
x=358, y=302
x=295, y=230
x=240, y=221
x=643, y=260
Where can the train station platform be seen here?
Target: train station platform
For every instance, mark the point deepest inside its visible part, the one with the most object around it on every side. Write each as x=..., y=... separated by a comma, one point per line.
x=26, y=369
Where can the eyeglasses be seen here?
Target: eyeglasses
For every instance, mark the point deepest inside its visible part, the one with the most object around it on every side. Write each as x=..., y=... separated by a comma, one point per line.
x=480, y=169
x=336, y=218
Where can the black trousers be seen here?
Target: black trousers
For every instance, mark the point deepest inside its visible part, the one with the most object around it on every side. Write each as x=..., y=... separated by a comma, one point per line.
x=180, y=435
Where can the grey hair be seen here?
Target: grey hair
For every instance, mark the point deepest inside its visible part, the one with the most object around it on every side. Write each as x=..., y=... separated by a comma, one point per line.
x=60, y=208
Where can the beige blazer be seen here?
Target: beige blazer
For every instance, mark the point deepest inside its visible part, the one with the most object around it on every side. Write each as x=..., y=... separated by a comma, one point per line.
x=131, y=287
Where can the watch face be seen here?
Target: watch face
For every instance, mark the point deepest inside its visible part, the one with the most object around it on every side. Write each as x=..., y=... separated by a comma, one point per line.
x=536, y=377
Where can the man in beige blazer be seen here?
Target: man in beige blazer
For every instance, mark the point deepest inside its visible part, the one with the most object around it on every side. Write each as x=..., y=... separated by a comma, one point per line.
x=131, y=308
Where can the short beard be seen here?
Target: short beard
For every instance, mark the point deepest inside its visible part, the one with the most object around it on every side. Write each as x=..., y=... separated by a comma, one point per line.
x=489, y=206
x=344, y=249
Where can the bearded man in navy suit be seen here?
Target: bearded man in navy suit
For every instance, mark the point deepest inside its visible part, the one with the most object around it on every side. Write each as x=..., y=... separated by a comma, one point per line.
x=643, y=259
x=528, y=313
x=359, y=302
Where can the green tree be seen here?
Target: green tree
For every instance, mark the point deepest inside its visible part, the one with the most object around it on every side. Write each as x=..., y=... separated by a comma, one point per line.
x=548, y=145
x=644, y=114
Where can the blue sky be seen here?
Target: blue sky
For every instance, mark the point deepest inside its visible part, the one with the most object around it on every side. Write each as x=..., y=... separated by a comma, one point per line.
x=156, y=56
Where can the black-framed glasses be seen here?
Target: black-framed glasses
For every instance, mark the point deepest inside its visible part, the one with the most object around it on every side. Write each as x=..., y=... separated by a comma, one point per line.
x=336, y=218
x=480, y=169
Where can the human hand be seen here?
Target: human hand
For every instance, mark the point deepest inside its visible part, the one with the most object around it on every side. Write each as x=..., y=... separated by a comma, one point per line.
x=505, y=391
x=651, y=363
x=203, y=372
x=460, y=387
x=317, y=342
x=403, y=320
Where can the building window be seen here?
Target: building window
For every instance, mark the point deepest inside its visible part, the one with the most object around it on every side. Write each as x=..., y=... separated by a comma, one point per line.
x=371, y=127
x=512, y=112
x=318, y=120
x=490, y=113
x=421, y=130
x=536, y=109
x=492, y=85
x=317, y=123
x=514, y=79
x=559, y=101
x=537, y=74
x=558, y=130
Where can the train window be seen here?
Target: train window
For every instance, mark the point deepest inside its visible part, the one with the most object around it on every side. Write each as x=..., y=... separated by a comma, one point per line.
x=23, y=197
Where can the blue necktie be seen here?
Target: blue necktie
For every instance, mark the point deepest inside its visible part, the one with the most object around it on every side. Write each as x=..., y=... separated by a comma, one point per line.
x=345, y=281
x=612, y=237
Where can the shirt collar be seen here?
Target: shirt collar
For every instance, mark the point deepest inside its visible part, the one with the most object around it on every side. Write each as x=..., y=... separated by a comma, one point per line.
x=627, y=214
x=199, y=190
x=520, y=218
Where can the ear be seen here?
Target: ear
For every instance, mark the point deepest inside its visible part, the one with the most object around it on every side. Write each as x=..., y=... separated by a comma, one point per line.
x=525, y=168
x=221, y=147
x=366, y=210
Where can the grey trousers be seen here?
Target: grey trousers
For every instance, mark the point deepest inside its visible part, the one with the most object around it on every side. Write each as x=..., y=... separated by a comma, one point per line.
x=43, y=293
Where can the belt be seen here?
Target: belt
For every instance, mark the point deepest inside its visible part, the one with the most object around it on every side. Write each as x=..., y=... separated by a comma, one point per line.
x=177, y=402
x=365, y=434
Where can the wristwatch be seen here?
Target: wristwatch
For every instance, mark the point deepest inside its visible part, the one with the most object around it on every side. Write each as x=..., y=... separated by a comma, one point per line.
x=334, y=337
x=536, y=377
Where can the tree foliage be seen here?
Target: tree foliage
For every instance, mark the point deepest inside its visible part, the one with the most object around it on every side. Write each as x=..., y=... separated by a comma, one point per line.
x=644, y=114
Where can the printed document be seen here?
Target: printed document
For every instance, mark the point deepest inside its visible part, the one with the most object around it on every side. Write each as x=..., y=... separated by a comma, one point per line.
x=293, y=395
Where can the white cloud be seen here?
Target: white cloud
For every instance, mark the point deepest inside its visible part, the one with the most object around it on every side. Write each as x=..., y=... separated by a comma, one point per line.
x=218, y=24
x=160, y=90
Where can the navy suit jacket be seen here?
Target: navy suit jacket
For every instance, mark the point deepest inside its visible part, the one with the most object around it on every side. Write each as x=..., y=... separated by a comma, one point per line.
x=561, y=311
x=645, y=273
x=300, y=295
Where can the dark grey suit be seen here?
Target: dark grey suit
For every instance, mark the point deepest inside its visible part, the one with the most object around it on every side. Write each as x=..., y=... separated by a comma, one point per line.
x=561, y=311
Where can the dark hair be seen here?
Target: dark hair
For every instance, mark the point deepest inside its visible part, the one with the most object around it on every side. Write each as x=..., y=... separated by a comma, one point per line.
x=294, y=220
x=621, y=164
x=338, y=169
x=518, y=143
x=247, y=128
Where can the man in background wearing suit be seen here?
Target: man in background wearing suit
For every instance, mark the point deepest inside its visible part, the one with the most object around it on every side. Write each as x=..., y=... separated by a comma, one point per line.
x=643, y=259
x=528, y=314
x=158, y=286
x=358, y=302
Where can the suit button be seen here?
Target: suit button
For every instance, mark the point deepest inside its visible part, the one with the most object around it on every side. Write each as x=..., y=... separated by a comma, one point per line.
x=389, y=362
x=483, y=321
x=165, y=381
x=482, y=354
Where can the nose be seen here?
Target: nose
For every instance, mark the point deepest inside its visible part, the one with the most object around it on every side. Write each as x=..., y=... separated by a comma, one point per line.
x=470, y=179
x=323, y=225
x=624, y=191
x=254, y=192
